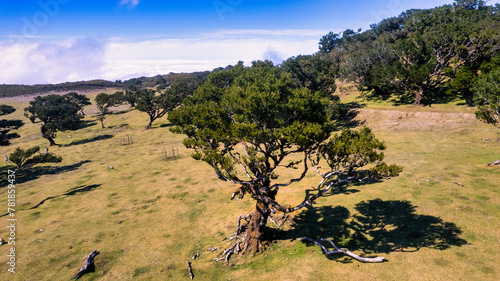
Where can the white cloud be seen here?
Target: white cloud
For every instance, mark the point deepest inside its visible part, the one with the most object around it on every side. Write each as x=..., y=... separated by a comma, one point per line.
x=36, y=63
x=119, y=58
x=204, y=52
x=129, y=3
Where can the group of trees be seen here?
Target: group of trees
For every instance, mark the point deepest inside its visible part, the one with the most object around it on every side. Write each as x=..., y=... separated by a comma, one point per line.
x=155, y=102
x=421, y=56
x=7, y=125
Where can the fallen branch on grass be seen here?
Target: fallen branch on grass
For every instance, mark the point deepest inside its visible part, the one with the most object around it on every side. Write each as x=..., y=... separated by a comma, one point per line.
x=494, y=163
x=346, y=252
x=88, y=266
x=190, y=270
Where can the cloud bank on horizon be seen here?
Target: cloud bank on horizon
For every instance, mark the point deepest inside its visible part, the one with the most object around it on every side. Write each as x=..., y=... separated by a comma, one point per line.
x=55, y=41
x=121, y=58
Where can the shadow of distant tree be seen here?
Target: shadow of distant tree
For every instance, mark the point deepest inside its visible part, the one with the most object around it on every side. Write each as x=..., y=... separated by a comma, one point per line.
x=378, y=226
x=166, y=125
x=86, y=124
x=33, y=173
x=89, y=140
x=348, y=113
x=72, y=191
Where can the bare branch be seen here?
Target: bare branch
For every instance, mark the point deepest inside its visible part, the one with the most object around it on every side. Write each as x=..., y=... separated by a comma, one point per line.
x=343, y=251
x=297, y=179
x=239, y=162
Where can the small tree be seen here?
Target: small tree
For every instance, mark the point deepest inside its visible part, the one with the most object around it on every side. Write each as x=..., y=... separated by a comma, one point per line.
x=56, y=113
x=26, y=158
x=104, y=102
x=250, y=123
x=155, y=104
x=8, y=125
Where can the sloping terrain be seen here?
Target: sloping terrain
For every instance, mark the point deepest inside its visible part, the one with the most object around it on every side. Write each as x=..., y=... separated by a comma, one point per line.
x=147, y=216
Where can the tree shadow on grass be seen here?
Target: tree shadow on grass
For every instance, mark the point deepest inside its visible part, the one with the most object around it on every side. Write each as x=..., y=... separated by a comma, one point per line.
x=70, y=192
x=378, y=226
x=89, y=140
x=348, y=113
x=86, y=124
x=121, y=111
x=32, y=173
x=166, y=125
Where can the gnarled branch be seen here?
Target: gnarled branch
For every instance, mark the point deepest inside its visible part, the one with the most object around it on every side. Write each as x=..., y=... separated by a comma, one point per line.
x=343, y=251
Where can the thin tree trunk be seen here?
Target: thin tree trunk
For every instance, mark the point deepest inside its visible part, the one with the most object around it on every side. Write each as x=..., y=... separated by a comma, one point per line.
x=151, y=120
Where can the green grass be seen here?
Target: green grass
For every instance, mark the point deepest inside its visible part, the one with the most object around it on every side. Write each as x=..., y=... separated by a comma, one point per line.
x=147, y=216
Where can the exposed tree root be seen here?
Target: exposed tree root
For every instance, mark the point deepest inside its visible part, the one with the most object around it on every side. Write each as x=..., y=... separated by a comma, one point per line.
x=226, y=255
x=241, y=228
x=346, y=252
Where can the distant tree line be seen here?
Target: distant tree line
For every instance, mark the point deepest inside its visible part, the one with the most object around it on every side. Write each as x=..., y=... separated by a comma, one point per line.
x=10, y=90
x=421, y=56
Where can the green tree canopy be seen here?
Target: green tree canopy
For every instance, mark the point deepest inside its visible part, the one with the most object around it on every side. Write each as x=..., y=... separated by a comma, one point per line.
x=7, y=125
x=105, y=101
x=419, y=53
x=313, y=72
x=26, y=158
x=56, y=113
x=487, y=90
x=78, y=99
x=155, y=104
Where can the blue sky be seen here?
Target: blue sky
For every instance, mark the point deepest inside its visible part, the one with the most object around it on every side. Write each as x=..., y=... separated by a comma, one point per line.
x=53, y=41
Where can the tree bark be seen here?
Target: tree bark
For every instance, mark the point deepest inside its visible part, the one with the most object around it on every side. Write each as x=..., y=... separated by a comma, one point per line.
x=419, y=96
x=151, y=120
x=46, y=135
x=254, y=234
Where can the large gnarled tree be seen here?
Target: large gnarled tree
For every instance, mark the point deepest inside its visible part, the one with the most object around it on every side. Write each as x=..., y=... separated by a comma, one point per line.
x=250, y=123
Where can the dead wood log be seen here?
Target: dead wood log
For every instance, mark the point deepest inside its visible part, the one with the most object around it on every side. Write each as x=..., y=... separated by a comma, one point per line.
x=494, y=163
x=346, y=252
x=88, y=266
x=190, y=270
x=457, y=183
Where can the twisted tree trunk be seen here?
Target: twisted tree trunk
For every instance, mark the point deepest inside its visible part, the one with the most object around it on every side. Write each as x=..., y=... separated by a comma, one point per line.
x=47, y=135
x=419, y=95
x=254, y=234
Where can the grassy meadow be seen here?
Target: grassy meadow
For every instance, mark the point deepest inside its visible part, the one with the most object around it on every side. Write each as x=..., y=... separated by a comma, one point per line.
x=439, y=220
